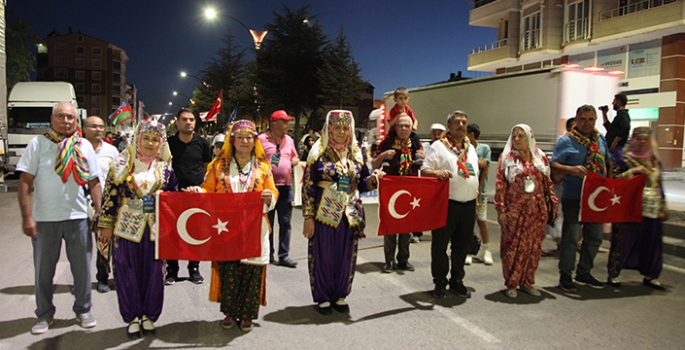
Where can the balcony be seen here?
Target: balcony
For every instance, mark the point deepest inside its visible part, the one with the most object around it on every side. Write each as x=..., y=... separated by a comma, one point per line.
x=489, y=13
x=490, y=56
x=639, y=18
x=578, y=29
x=530, y=39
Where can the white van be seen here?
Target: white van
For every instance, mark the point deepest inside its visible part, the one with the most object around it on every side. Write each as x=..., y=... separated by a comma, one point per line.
x=29, y=107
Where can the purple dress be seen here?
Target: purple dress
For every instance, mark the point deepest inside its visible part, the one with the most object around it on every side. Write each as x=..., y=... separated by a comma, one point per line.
x=332, y=250
x=139, y=277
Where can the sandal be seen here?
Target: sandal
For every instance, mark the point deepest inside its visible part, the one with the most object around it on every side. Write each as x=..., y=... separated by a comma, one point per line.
x=227, y=323
x=148, y=325
x=531, y=290
x=246, y=326
x=133, y=329
x=512, y=293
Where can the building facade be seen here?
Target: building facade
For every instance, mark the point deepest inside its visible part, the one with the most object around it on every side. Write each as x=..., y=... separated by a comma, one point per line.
x=96, y=68
x=643, y=42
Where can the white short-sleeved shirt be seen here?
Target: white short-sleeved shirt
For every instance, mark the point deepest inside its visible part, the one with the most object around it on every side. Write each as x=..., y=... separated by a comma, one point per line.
x=106, y=154
x=53, y=199
x=439, y=157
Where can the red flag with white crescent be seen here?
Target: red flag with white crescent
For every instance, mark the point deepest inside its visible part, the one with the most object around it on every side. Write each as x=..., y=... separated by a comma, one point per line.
x=209, y=226
x=411, y=204
x=605, y=200
x=216, y=108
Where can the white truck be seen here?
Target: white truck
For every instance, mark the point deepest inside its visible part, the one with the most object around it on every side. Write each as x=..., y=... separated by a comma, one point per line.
x=543, y=98
x=29, y=107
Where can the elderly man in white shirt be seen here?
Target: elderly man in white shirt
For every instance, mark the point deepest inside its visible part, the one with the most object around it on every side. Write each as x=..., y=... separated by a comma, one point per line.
x=453, y=158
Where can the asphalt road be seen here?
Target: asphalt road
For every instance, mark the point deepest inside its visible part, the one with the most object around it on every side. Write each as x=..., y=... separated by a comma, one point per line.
x=388, y=311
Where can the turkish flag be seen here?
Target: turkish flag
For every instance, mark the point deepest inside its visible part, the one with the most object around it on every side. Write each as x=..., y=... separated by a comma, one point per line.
x=411, y=204
x=209, y=226
x=216, y=108
x=605, y=200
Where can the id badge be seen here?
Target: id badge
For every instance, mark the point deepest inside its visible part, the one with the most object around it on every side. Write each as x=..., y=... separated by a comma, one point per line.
x=469, y=167
x=275, y=159
x=528, y=185
x=344, y=183
x=148, y=204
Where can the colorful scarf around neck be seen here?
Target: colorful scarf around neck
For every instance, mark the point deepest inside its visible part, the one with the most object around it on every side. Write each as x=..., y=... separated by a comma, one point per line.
x=404, y=146
x=69, y=159
x=461, y=153
x=595, y=160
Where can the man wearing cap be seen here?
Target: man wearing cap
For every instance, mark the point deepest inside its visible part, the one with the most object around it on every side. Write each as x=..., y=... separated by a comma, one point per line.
x=281, y=153
x=217, y=143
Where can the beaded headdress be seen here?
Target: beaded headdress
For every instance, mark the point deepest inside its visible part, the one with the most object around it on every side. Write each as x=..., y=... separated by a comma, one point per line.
x=151, y=126
x=340, y=117
x=243, y=126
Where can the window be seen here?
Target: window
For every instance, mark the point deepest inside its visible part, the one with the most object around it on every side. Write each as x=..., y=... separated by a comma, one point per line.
x=80, y=49
x=116, y=65
x=95, y=87
x=97, y=50
x=116, y=89
x=95, y=111
x=96, y=100
x=577, y=26
x=96, y=75
x=79, y=38
x=61, y=73
x=80, y=62
x=79, y=74
x=530, y=38
x=61, y=48
x=97, y=62
x=80, y=87
x=116, y=78
x=116, y=101
x=79, y=99
x=61, y=60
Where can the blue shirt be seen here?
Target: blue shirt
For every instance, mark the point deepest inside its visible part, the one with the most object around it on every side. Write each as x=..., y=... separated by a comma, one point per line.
x=571, y=153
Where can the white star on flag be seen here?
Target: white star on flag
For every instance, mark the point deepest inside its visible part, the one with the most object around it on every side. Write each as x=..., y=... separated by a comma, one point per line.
x=220, y=226
x=415, y=203
x=616, y=200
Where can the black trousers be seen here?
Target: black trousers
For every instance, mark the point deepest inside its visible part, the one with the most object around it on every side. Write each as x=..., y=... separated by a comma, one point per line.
x=461, y=218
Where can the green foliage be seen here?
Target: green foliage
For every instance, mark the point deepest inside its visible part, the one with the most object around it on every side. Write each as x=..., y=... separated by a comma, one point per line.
x=20, y=61
x=339, y=74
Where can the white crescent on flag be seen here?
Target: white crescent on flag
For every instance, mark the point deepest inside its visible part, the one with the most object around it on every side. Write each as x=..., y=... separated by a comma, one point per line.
x=183, y=231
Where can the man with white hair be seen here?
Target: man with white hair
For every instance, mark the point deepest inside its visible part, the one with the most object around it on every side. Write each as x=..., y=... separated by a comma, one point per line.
x=57, y=165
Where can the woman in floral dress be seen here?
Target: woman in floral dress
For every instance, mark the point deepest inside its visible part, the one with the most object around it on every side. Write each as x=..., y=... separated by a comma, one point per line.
x=522, y=184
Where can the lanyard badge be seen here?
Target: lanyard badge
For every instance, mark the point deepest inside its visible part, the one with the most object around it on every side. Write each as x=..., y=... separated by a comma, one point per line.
x=344, y=183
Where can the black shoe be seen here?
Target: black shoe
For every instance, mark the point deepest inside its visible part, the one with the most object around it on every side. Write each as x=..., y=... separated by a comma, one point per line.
x=653, y=283
x=388, y=267
x=287, y=263
x=133, y=330
x=170, y=280
x=614, y=282
x=103, y=287
x=195, y=276
x=440, y=291
x=587, y=280
x=324, y=308
x=343, y=309
x=405, y=266
x=459, y=289
x=566, y=283
x=272, y=259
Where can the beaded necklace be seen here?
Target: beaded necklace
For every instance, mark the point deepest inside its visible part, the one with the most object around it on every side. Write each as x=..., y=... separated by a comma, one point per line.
x=460, y=152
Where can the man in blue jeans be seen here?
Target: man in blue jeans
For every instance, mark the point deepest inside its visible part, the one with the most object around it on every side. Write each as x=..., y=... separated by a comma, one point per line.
x=581, y=150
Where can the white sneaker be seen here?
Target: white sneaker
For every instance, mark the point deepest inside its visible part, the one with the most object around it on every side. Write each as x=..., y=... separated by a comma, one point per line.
x=468, y=260
x=41, y=326
x=487, y=258
x=87, y=320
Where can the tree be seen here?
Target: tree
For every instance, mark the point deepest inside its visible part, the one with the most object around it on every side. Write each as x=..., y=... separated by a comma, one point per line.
x=339, y=74
x=287, y=63
x=20, y=61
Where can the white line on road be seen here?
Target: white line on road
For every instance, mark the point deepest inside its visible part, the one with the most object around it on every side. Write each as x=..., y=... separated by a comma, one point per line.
x=483, y=334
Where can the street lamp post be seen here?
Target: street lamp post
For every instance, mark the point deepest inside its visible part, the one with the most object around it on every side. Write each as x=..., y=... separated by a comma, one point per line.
x=257, y=36
x=184, y=74
x=192, y=101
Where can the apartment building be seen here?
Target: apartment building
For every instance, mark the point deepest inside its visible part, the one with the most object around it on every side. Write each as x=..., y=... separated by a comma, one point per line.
x=641, y=41
x=96, y=68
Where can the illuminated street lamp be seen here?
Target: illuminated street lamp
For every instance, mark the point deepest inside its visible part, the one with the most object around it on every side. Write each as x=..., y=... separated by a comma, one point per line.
x=192, y=101
x=184, y=74
x=257, y=36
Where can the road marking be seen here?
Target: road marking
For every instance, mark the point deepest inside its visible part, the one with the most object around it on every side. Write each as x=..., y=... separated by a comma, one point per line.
x=483, y=334
x=674, y=269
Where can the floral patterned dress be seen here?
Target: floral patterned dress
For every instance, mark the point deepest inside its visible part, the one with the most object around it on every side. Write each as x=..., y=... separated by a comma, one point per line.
x=526, y=220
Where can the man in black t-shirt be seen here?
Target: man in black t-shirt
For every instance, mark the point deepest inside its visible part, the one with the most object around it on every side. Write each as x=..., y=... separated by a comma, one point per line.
x=619, y=128
x=190, y=155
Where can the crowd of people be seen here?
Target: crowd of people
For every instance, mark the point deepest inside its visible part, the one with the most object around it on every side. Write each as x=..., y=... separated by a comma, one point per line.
x=117, y=207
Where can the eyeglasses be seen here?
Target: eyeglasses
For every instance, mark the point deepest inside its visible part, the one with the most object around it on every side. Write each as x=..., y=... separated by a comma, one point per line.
x=68, y=117
x=96, y=126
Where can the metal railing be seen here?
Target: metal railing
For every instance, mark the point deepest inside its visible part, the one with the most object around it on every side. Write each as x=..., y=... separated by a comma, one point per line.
x=632, y=8
x=577, y=29
x=530, y=40
x=491, y=46
x=479, y=3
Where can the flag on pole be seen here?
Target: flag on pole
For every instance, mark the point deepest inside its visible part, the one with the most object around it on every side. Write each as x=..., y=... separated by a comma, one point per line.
x=611, y=200
x=234, y=114
x=121, y=114
x=215, y=110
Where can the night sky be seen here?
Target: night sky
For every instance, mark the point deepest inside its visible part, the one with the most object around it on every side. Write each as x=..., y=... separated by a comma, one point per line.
x=396, y=43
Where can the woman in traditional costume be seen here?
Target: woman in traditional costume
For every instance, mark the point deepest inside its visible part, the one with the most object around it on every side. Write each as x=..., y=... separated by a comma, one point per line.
x=638, y=245
x=128, y=213
x=523, y=183
x=332, y=210
x=241, y=167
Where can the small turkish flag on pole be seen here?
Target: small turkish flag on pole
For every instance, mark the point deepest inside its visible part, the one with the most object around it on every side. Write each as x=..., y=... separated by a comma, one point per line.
x=411, y=204
x=209, y=226
x=605, y=200
x=216, y=108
